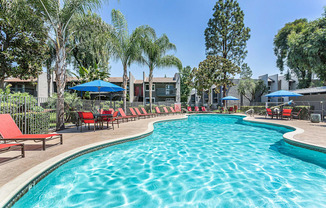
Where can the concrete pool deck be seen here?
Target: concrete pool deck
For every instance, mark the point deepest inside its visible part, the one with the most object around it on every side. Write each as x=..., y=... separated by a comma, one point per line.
x=14, y=172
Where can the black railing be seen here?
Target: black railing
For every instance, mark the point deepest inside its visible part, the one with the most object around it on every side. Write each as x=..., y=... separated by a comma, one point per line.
x=165, y=92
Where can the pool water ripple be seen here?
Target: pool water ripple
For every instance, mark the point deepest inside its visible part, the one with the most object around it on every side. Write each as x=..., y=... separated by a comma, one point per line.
x=205, y=161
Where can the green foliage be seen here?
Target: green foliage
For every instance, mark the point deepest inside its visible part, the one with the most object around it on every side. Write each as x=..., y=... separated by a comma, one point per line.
x=250, y=88
x=22, y=39
x=186, y=82
x=125, y=47
x=301, y=46
x=215, y=70
x=91, y=73
x=6, y=90
x=91, y=40
x=154, y=51
x=226, y=34
x=36, y=123
x=246, y=72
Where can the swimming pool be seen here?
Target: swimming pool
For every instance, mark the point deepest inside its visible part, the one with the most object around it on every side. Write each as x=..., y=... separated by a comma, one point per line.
x=204, y=161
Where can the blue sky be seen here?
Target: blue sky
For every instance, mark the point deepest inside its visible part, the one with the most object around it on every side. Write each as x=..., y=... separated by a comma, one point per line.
x=184, y=22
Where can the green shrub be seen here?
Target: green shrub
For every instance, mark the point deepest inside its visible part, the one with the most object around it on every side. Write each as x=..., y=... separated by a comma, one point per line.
x=33, y=122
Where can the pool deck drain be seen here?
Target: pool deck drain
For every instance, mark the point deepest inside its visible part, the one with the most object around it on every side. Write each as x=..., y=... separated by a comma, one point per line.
x=74, y=140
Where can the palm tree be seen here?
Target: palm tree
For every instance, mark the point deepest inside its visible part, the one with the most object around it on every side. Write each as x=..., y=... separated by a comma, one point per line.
x=58, y=14
x=154, y=56
x=125, y=46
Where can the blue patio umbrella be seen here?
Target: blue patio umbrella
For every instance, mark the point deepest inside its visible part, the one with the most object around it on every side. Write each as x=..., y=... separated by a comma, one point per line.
x=98, y=86
x=230, y=98
x=283, y=93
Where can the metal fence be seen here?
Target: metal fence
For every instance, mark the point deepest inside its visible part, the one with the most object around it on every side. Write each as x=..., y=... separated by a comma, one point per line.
x=35, y=115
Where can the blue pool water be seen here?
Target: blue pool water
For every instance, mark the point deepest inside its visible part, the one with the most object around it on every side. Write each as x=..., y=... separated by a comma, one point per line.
x=205, y=161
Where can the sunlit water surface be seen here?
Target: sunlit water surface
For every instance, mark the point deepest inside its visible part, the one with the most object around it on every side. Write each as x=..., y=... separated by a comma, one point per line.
x=205, y=161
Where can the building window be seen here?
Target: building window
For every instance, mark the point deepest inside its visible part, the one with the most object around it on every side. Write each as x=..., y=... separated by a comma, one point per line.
x=147, y=87
x=169, y=89
x=147, y=99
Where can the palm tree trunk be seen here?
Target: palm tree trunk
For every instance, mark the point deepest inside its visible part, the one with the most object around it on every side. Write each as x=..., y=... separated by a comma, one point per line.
x=125, y=77
x=60, y=81
x=203, y=97
x=2, y=83
x=150, y=88
x=49, y=80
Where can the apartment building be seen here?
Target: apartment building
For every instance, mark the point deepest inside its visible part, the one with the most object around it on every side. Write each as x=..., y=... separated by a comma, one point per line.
x=163, y=89
x=273, y=82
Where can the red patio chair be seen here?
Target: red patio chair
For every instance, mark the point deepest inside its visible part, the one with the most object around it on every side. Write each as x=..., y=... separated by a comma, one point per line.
x=149, y=114
x=270, y=113
x=203, y=109
x=105, y=118
x=8, y=147
x=157, y=109
x=235, y=108
x=297, y=114
x=196, y=109
x=10, y=132
x=88, y=118
x=189, y=109
x=114, y=119
x=124, y=116
x=230, y=110
x=287, y=113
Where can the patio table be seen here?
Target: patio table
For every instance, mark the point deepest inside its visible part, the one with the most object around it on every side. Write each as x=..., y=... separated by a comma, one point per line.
x=101, y=116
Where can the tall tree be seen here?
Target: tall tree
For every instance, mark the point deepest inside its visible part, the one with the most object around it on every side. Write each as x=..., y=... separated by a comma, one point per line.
x=227, y=36
x=289, y=48
x=125, y=46
x=91, y=40
x=58, y=15
x=216, y=70
x=154, y=56
x=22, y=41
x=186, y=82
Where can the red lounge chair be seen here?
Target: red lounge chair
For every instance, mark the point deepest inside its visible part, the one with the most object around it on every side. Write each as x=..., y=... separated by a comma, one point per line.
x=189, y=109
x=270, y=113
x=10, y=132
x=173, y=111
x=177, y=110
x=8, y=147
x=158, y=111
x=166, y=110
x=149, y=114
x=230, y=110
x=196, y=109
x=141, y=114
x=134, y=113
x=287, y=113
x=203, y=109
x=88, y=118
x=124, y=116
x=235, y=108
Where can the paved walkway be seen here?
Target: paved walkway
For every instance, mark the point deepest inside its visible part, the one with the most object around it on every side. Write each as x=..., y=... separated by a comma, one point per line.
x=72, y=139
x=313, y=134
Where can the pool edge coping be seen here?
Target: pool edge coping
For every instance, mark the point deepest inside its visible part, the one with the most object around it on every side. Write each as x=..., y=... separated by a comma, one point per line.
x=289, y=136
x=9, y=192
